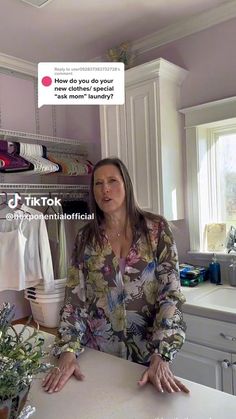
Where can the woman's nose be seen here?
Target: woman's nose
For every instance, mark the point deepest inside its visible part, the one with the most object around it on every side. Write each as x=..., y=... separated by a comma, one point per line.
x=106, y=187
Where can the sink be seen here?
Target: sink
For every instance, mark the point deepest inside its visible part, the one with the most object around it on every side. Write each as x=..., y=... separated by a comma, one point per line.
x=221, y=297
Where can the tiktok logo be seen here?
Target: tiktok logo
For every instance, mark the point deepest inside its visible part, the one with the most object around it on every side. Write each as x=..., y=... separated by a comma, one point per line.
x=32, y=201
x=13, y=203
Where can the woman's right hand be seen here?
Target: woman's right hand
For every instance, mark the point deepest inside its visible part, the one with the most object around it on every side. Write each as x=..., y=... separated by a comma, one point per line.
x=59, y=375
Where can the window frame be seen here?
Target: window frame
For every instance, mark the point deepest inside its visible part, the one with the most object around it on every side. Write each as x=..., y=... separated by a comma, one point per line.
x=203, y=125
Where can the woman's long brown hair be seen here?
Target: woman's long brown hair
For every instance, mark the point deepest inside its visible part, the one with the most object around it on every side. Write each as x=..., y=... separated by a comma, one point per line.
x=91, y=232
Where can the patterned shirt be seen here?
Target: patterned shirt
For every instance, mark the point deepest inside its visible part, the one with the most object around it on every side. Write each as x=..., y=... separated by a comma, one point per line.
x=130, y=315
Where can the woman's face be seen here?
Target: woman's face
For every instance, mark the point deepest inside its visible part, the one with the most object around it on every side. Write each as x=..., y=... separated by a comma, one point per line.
x=109, y=189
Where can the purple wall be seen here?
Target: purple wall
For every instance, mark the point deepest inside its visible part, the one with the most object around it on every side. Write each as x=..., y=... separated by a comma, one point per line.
x=83, y=124
x=19, y=111
x=210, y=58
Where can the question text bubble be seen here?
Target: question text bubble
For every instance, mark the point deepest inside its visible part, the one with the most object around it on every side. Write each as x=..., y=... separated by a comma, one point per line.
x=80, y=84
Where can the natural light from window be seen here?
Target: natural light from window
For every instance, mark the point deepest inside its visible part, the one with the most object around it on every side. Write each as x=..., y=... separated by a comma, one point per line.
x=211, y=177
x=226, y=162
x=216, y=186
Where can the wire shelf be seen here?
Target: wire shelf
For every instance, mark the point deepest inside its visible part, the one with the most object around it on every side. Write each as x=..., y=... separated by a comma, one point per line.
x=10, y=134
x=38, y=186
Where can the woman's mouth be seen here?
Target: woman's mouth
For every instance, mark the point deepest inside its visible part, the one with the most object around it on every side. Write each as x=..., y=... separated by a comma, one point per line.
x=106, y=200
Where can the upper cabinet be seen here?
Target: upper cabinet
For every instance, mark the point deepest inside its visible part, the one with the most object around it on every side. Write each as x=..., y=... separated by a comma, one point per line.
x=146, y=135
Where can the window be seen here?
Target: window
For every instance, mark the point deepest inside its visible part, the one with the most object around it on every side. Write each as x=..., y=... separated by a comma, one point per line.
x=216, y=178
x=226, y=169
x=211, y=167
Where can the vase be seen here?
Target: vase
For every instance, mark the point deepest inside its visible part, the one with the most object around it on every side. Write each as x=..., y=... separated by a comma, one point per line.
x=11, y=408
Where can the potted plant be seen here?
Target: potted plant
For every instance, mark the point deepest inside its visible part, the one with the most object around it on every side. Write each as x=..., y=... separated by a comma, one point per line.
x=122, y=54
x=20, y=359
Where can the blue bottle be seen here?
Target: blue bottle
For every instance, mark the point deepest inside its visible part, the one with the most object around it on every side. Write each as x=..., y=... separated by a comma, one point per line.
x=214, y=271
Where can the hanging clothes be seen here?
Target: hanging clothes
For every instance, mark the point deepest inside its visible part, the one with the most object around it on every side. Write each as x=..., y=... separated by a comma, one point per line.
x=71, y=165
x=10, y=162
x=37, y=255
x=57, y=241
x=12, y=259
x=34, y=154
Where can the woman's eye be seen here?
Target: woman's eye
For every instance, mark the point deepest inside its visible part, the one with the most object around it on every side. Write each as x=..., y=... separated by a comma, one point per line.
x=98, y=183
x=112, y=180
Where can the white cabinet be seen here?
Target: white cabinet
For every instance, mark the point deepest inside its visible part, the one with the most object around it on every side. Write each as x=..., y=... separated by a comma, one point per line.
x=146, y=134
x=209, y=354
x=205, y=366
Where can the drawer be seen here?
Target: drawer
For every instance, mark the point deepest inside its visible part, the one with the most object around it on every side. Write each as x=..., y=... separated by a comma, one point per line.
x=213, y=333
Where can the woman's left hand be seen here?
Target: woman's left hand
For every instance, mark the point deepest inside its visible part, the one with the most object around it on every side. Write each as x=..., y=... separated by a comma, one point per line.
x=160, y=375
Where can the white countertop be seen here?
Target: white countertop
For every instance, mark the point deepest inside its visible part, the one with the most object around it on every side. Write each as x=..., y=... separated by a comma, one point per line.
x=110, y=391
x=194, y=305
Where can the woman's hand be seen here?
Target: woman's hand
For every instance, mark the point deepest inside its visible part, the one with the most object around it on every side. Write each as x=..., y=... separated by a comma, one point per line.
x=59, y=375
x=160, y=375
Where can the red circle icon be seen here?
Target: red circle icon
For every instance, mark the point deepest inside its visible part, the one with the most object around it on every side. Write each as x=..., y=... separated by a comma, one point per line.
x=46, y=81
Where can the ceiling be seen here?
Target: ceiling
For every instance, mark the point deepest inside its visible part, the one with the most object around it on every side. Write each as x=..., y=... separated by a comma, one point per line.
x=79, y=30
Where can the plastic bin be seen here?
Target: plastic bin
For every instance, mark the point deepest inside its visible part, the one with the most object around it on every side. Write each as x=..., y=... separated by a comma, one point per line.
x=58, y=284
x=46, y=312
x=42, y=290
x=36, y=294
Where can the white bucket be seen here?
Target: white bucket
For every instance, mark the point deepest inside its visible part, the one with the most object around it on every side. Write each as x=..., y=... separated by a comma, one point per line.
x=58, y=284
x=45, y=312
x=60, y=281
x=47, y=297
x=46, y=294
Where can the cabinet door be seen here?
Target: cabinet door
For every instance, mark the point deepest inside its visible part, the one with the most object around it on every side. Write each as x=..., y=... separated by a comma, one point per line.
x=205, y=366
x=113, y=132
x=144, y=160
x=234, y=373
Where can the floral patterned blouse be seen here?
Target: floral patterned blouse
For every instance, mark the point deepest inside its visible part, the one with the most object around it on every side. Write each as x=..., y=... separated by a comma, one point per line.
x=130, y=315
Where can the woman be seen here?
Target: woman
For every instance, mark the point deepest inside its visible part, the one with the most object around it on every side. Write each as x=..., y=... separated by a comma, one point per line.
x=123, y=293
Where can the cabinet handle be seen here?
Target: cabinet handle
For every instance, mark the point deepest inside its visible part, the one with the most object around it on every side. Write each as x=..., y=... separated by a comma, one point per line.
x=228, y=337
x=234, y=365
x=226, y=363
